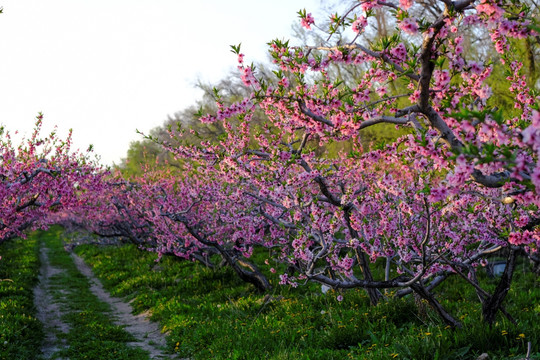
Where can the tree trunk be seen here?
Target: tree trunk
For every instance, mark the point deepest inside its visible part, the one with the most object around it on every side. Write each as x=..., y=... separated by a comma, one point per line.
x=493, y=304
x=530, y=60
x=374, y=294
x=247, y=271
x=445, y=316
x=239, y=265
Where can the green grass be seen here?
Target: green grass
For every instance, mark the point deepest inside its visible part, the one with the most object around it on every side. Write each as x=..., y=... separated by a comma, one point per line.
x=20, y=332
x=92, y=333
x=214, y=315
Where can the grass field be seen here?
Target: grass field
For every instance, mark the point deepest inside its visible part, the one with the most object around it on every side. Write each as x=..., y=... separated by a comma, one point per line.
x=20, y=331
x=211, y=314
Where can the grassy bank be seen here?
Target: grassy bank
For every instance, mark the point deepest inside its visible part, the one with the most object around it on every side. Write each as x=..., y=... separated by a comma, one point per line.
x=212, y=314
x=20, y=331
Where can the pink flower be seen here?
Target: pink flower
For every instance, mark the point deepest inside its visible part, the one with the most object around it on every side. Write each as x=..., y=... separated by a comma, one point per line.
x=442, y=78
x=492, y=10
x=530, y=135
x=522, y=221
x=484, y=92
x=516, y=238
x=399, y=52
x=476, y=68
x=438, y=194
x=284, y=82
x=368, y=5
x=535, y=178
x=307, y=21
x=536, y=119
x=339, y=298
x=359, y=24
x=414, y=96
x=405, y=4
x=247, y=75
x=409, y=26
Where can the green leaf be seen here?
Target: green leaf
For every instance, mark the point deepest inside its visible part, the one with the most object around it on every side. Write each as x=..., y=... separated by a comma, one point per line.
x=236, y=49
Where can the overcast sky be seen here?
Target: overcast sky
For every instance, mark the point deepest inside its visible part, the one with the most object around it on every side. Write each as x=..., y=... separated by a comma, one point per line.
x=107, y=67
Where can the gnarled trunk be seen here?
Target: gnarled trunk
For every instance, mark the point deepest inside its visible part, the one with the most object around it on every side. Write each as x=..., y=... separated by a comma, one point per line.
x=445, y=315
x=493, y=304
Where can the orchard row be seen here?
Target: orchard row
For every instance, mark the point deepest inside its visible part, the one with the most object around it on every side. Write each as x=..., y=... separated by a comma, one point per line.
x=461, y=184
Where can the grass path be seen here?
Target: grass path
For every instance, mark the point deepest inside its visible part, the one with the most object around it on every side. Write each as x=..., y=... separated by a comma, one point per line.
x=81, y=320
x=48, y=309
x=147, y=333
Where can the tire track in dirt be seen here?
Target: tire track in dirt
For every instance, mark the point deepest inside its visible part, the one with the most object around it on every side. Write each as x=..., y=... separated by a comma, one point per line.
x=145, y=331
x=48, y=309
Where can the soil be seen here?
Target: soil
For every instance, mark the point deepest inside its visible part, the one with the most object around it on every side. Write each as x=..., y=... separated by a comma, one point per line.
x=147, y=333
x=48, y=309
x=49, y=312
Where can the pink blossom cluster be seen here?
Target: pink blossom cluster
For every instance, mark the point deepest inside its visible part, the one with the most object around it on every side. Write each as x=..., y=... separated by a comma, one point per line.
x=40, y=178
x=490, y=8
x=405, y=4
x=307, y=21
x=409, y=25
x=294, y=173
x=359, y=24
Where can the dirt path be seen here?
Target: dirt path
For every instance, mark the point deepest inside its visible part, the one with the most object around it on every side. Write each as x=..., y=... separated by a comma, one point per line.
x=50, y=313
x=48, y=310
x=146, y=332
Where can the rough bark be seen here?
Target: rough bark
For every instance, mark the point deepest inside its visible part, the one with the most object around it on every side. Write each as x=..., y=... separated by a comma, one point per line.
x=445, y=316
x=493, y=304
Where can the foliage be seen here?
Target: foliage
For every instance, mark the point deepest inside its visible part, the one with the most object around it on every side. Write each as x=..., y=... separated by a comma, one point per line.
x=40, y=177
x=461, y=184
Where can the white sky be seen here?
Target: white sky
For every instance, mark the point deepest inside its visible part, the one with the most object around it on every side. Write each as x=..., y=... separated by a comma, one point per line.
x=107, y=67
